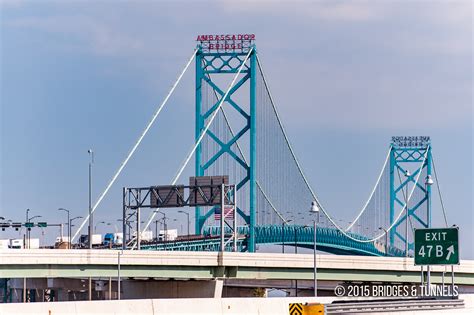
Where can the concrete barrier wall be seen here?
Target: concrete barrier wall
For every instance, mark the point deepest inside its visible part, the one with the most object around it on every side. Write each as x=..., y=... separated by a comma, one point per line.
x=270, y=306
x=227, y=306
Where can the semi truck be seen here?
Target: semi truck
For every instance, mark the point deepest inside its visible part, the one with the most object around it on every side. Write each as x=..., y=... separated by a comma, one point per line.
x=146, y=236
x=33, y=243
x=168, y=235
x=113, y=239
x=17, y=243
x=84, y=240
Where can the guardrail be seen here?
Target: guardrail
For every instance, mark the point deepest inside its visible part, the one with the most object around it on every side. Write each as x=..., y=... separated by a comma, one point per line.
x=392, y=305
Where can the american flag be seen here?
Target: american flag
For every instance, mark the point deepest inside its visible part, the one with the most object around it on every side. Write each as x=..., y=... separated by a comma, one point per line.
x=229, y=213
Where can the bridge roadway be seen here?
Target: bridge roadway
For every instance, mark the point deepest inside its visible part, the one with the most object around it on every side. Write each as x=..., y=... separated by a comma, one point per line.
x=60, y=263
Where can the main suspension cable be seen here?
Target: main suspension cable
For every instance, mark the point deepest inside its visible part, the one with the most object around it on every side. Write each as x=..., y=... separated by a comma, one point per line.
x=132, y=151
x=439, y=192
x=306, y=181
x=204, y=131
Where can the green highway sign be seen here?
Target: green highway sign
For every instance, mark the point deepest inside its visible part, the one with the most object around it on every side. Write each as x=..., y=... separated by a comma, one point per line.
x=437, y=246
x=29, y=224
x=42, y=224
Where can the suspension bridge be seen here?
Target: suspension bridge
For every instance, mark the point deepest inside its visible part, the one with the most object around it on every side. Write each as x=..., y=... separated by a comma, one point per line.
x=240, y=134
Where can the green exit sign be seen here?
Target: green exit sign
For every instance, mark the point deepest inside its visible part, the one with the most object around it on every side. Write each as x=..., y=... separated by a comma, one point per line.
x=436, y=246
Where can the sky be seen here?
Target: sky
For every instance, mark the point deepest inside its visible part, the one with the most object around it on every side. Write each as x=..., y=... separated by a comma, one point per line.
x=345, y=75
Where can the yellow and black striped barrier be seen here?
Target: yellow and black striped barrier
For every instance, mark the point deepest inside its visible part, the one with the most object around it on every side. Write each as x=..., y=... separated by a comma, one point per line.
x=306, y=309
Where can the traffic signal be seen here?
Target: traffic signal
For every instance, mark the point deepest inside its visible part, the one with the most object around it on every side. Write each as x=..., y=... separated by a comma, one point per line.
x=17, y=226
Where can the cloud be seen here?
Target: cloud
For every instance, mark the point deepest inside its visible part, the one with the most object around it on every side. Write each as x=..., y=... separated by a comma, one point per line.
x=84, y=33
x=12, y=3
x=357, y=60
x=324, y=10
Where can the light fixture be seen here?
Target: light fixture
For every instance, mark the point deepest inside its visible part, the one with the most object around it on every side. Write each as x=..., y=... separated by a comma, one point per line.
x=314, y=207
x=429, y=180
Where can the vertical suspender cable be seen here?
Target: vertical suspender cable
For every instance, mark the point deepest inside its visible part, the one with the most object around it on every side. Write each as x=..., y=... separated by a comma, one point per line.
x=372, y=193
x=439, y=193
x=132, y=151
x=307, y=183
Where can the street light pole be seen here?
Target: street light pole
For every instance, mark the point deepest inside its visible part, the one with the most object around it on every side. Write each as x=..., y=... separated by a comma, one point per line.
x=156, y=230
x=95, y=227
x=165, y=226
x=68, y=227
x=283, y=235
x=315, y=210
x=26, y=232
x=29, y=232
x=91, y=220
x=386, y=240
x=428, y=182
x=187, y=214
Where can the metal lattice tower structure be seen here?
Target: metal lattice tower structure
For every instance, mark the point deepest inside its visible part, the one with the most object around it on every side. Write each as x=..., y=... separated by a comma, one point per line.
x=210, y=65
x=406, y=151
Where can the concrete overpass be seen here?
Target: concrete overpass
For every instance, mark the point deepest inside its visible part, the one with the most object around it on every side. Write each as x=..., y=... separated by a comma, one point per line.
x=55, y=263
x=210, y=271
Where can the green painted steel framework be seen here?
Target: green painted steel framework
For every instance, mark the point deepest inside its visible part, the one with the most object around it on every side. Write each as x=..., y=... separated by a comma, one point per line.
x=217, y=63
x=329, y=240
x=398, y=156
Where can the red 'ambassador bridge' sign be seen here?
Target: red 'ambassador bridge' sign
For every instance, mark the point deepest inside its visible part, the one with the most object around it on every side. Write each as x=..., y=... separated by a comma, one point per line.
x=226, y=42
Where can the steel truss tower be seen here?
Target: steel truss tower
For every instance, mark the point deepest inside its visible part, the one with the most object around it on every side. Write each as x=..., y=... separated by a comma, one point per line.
x=409, y=150
x=211, y=64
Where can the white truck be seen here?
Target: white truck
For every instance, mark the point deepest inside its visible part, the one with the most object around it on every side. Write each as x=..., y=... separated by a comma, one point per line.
x=62, y=242
x=96, y=239
x=16, y=243
x=145, y=235
x=168, y=235
x=19, y=243
x=62, y=239
x=33, y=243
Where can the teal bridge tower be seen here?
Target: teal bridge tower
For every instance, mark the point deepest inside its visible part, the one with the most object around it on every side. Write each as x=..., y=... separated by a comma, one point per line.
x=404, y=152
x=216, y=58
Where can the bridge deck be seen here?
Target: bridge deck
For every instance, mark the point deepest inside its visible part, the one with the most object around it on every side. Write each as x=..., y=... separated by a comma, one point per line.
x=208, y=265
